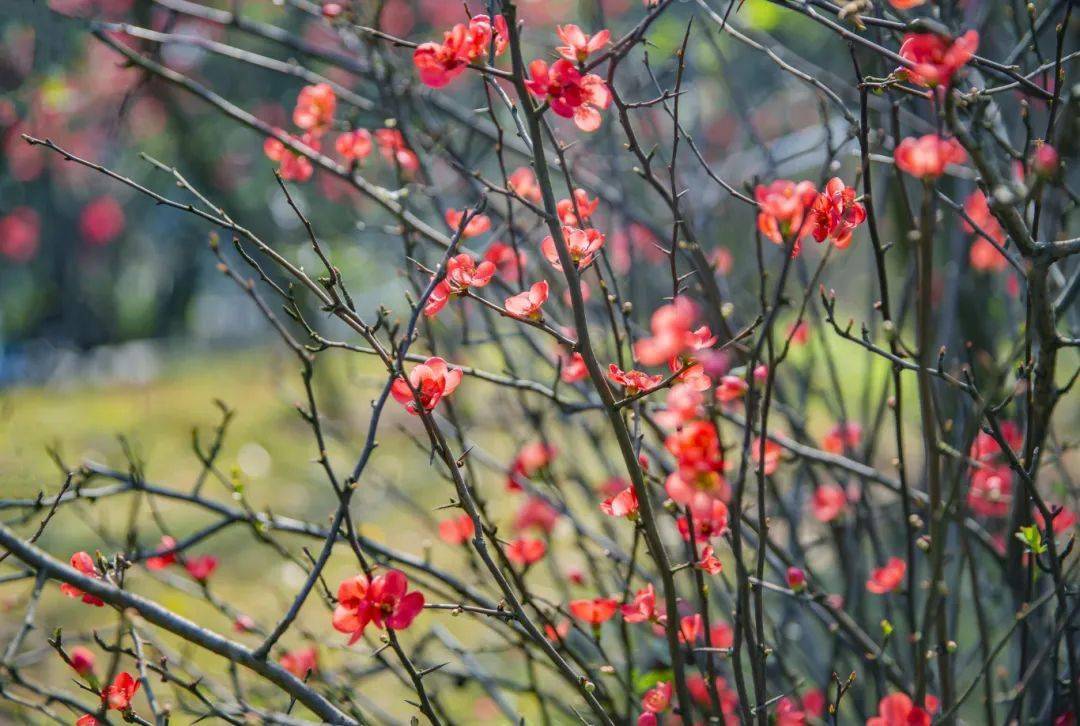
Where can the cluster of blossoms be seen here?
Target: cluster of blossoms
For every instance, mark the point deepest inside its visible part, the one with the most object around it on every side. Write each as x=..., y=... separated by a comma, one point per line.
x=313, y=115
x=383, y=600
x=563, y=85
x=790, y=211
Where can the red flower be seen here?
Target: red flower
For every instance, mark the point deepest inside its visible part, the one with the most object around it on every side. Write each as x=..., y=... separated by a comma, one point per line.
x=354, y=145
x=462, y=272
x=722, y=635
x=633, y=382
x=82, y=660
x=570, y=94
x=568, y=214
x=772, y=455
x=983, y=256
x=315, y=107
x=87, y=720
x=1045, y=160
x=84, y=564
x=623, y=504
x=457, y=530
x=788, y=713
x=828, y=502
x=699, y=691
x=292, y=165
x=927, y=156
x=843, y=437
x=578, y=44
x=244, y=623
x=440, y=63
x=783, y=206
x=531, y=459
x=19, y=232
x=642, y=608
x=573, y=368
x=658, y=698
x=118, y=695
x=167, y=557
x=506, y=262
x=696, y=447
x=796, y=579
x=596, y=611
x=731, y=388
x=536, y=513
x=527, y=304
x=477, y=224
x=887, y=578
x=432, y=380
x=906, y=4
x=986, y=449
x=582, y=244
x=201, y=567
x=101, y=221
x=300, y=662
x=709, y=562
x=935, y=58
x=710, y=519
x=392, y=146
x=525, y=551
x=673, y=333
x=522, y=181
x=991, y=491
x=835, y=214
x=897, y=709
x=813, y=701
x=383, y=600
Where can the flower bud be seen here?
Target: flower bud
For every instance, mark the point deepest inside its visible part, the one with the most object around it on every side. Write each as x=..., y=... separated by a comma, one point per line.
x=1045, y=161
x=82, y=660
x=796, y=579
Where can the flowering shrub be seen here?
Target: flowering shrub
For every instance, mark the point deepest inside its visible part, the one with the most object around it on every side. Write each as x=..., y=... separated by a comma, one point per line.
x=666, y=482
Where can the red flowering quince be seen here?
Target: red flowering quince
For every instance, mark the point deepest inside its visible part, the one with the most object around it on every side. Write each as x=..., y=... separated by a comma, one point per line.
x=392, y=146
x=985, y=449
x=835, y=214
x=355, y=145
x=81, y=660
x=579, y=45
x=462, y=273
x=527, y=304
x=19, y=234
x=201, y=567
x=582, y=244
x=314, y=111
x=530, y=460
x=1062, y=518
x=300, y=662
x=842, y=437
x=888, y=577
x=828, y=502
x=535, y=513
x=927, y=156
x=709, y=562
x=573, y=368
x=477, y=224
x=569, y=93
x=673, y=333
x=699, y=691
x=698, y=478
x=383, y=600
x=623, y=504
x=525, y=551
x=936, y=58
x=710, y=519
x=457, y=530
x=522, y=181
x=682, y=405
x=773, y=452
x=292, y=165
x=166, y=554
x=783, y=207
x=508, y=263
x=897, y=709
x=633, y=382
x=84, y=563
x=658, y=698
x=642, y=608
x=569, y=209
x=440, y=63
x=596, y=611
x=101, y=221
x=731, y=388
x=431, y=380
x=117, y=695
x=982, y=255
x=990, y=493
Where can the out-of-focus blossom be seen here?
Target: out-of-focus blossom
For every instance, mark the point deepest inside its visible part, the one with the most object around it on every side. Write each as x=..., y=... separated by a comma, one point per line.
x=888, y=577
x=292, y=165
x=828, y=502
x=936, y=58
x=392, y=146
x=633, y=382
x=536, y=513
x=596, y=611
x=19, y=234
x=623, y=504
x=477, y=224
x=201, y=567
x=897, y=709
x=524, y=551
x=927, y=156
x=315, y=106
x=300, y=662
x=355, y=145
x=457, y=530
x=531, y=459
x=101, y=221
x=166, y=554
x=845, y=436
x=82, y=562
x=990, y=492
